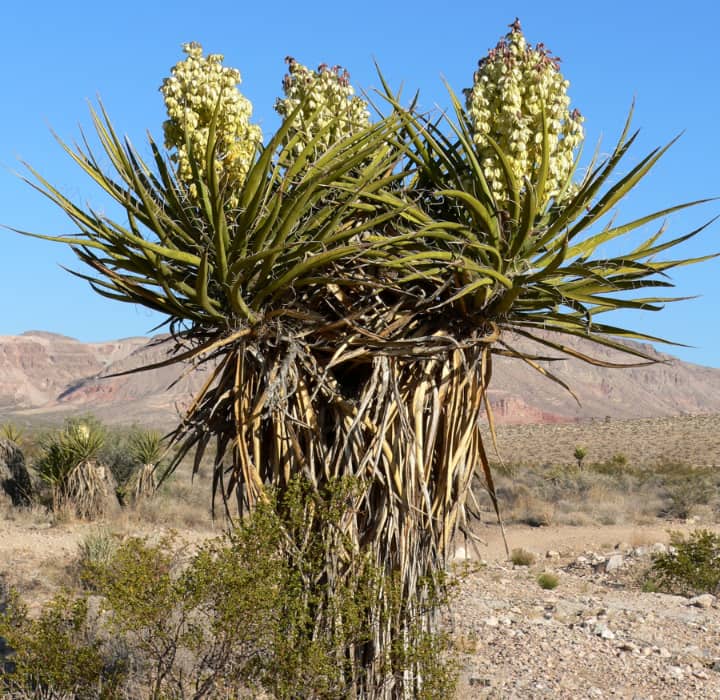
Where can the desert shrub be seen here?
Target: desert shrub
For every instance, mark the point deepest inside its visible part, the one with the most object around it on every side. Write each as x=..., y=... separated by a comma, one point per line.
x=96, y=550
x=56, y=653
x=521, y=557
x=244, y=613
x=605, y=492
x=691, y=567
x=116, y=452
x=548, y=581
x=681, y=487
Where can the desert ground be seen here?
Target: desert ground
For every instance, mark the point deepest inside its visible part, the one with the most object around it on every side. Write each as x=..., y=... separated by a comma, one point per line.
x=601, y=633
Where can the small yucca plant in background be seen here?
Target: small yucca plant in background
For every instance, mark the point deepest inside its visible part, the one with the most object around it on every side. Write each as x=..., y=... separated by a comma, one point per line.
x=147, y=451
x=69, y=466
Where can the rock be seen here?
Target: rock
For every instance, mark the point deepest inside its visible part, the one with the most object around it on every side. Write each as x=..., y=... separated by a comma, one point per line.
x=676, y=672
x=492, y=621
x=615, y=562
x=706, y=600
x=659, y=548
x=552, y=554
x=14, y=477
x=629, y=647
x=479, y=681
x=460, y=554
x=603, y=631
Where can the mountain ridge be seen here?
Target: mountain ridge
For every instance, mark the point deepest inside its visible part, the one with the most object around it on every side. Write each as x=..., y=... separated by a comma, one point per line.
x=48, y=376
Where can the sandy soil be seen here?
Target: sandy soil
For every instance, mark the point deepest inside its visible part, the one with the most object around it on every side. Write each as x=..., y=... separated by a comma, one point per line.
x=597, y=635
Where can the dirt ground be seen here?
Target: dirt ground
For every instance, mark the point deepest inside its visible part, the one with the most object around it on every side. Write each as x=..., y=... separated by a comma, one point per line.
x=597, y=635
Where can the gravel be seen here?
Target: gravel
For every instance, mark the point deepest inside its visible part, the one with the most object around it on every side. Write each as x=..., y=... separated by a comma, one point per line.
x=597, y=635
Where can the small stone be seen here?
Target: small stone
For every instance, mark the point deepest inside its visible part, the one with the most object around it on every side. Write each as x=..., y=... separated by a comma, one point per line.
x=659, y=548
x=603, y=631
x=492, y=621
x=700, y=673
x=664, y=653
x=552, y=554
x=614, y=563
x=706, y=600
x=460, y=554
x=676, y=672
x=582, y=561
x=480, y=681
x=629, y=647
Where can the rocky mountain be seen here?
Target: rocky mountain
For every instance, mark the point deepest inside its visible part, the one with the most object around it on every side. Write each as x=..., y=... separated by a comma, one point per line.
x=669, y=387
x=45, y=377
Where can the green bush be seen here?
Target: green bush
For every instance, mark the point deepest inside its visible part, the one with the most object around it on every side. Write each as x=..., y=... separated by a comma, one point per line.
x=57, y=652
x=548, y=581
x=243, y=613
x=683, y=486
x=692, y=567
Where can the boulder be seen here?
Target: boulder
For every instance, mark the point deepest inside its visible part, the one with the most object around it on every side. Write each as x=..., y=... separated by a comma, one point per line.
x=14, y=477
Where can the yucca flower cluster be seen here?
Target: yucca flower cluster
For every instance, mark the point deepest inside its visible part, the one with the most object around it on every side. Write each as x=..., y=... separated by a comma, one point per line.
x=199, y=88
x=328, y=97
x=512, y=86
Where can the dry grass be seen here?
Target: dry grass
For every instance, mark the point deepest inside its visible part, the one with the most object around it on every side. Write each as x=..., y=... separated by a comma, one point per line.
x=693, y=440
x=606, y=493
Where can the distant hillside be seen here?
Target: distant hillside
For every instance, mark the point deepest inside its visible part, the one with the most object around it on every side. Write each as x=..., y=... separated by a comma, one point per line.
x=44, y=377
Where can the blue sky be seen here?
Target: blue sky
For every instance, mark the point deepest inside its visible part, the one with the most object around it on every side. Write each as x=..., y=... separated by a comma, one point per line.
x=58, y=56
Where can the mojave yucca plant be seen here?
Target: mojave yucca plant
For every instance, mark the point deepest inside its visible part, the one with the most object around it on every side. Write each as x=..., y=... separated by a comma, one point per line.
x=146, y=448
x=69, y=465
x=348, y=295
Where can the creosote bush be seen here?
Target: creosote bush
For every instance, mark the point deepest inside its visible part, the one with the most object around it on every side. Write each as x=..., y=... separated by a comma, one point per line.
x=690, y=567
x=233, y=617
x=58, y=652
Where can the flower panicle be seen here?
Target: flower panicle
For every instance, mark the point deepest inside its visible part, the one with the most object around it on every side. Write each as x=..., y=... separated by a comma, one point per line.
x=328, y=100
x=199, y=89
x=513, y=86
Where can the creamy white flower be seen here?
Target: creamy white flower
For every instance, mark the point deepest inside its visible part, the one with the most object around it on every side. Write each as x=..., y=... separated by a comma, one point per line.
x=512, y=86
x=331, y=100
x=197, y=88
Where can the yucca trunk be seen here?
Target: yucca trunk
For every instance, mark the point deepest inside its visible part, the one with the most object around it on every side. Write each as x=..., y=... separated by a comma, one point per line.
x=401, y=419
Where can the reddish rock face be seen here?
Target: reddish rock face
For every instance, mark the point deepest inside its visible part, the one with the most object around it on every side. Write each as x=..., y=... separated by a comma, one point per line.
x=45, y=375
